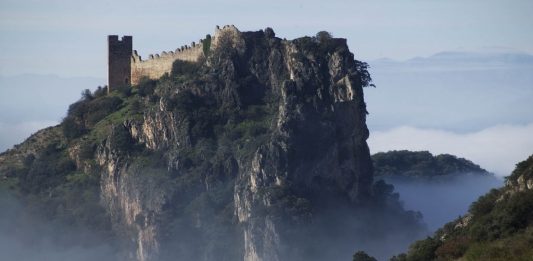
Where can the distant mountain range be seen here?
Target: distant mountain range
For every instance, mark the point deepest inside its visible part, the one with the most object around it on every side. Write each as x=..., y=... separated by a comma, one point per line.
x=458, y=91
x=485, y=59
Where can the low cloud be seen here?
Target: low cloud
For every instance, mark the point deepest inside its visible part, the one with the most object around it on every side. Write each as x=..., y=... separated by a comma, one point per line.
x=496, y=149
x=454, y=193
x=26, y=236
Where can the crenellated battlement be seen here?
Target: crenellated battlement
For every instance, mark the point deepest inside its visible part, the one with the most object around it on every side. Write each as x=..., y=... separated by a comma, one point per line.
x=158, y=64
x=126, y=66
x=181, y=53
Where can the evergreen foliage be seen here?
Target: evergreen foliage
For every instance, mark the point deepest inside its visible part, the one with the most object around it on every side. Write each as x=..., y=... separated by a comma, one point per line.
x=406, y=163
x=362, y=256
x=499, y=226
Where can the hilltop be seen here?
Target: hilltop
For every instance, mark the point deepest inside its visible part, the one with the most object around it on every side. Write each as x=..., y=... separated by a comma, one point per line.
x=254, y=151
x=422, y=165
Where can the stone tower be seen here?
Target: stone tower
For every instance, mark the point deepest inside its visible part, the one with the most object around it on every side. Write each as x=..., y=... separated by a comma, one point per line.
x=119, y=61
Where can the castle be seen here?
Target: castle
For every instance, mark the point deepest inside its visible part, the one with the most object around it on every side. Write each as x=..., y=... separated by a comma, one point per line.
x=126, y=67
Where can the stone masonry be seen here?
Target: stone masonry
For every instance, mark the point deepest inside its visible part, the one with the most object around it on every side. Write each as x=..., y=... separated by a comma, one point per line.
x=119, y=61
x=126, y=67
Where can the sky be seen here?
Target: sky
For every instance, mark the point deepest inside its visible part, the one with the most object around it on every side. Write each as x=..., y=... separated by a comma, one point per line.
x=67, y=38
x=475, y=105
x=452, y=76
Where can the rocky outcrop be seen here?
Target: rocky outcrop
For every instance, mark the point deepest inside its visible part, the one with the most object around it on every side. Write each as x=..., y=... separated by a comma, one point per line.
x=522, y=177
x=316, y=149
x=133, y=199
x=320, y=135
x=522, y=183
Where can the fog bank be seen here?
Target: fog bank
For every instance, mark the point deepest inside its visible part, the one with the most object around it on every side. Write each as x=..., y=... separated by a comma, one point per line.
x=441, y=200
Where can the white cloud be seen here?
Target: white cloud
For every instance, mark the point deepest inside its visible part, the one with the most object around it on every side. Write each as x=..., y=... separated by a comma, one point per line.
x=496, y=149
x=14, y=133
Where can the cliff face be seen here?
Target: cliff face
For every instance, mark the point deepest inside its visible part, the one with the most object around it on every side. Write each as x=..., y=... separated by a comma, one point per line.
x=315, y=147
x=318, y=143
x=133, y=201
x=257, y=152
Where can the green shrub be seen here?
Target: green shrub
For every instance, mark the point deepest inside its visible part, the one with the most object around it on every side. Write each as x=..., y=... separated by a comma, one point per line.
x=84, y=114
x=100, y=108
x=77, y=109
x=423, y=250
x=46, y=171
x=487, y=251
x=323, y=37
x=400, y=257
x=121, y=139
x=184, y=68
x=496, y=219
x=452, y=249
x=86, y=95
x=146, y=87
x=366, y=79
x=184, y=102
x=71, y=128
x=362, y=256
x=485, y=203
x=100, y=92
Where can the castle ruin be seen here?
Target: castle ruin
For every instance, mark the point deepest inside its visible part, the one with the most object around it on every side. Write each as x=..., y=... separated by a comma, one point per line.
x=119, y=61
x=126, y=67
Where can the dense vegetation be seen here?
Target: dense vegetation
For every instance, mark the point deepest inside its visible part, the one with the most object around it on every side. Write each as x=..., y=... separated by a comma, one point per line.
x=499, y=226
x=419, y=164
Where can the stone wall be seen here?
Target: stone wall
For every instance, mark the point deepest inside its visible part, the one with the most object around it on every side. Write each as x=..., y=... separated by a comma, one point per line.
x=159, y=64
x=127, y=66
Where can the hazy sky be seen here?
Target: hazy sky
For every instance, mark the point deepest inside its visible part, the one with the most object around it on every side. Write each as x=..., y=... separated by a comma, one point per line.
x=68, y=38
